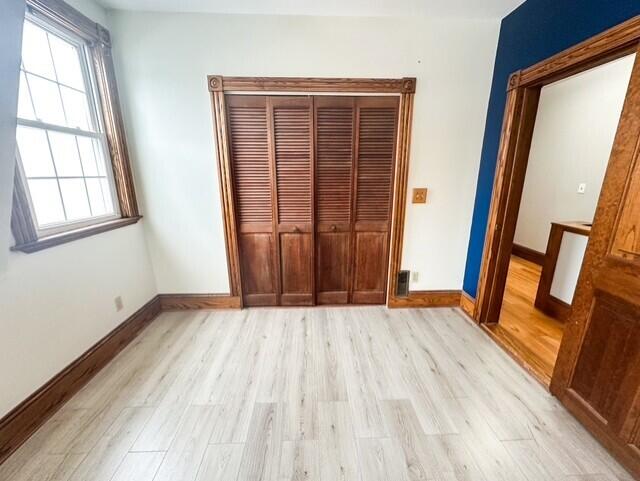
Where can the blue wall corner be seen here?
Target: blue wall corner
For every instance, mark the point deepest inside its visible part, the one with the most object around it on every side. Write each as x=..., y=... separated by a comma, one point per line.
x=534, y=31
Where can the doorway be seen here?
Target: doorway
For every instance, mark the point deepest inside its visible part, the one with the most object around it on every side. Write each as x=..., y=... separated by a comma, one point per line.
x=575, y=126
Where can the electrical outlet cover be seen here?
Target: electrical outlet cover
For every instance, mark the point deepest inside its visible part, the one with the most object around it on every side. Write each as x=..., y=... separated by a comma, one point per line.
x=419, y=196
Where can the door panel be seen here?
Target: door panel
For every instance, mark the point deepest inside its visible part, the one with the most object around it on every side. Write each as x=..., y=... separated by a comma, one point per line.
x=610, y=354
x=297, y=268
x=332, y=272
x=256, y=259
x=334, y=121
x=249, y=146
x=597, y=374
x=292, y=140
x=371, y=259
x=375, y=159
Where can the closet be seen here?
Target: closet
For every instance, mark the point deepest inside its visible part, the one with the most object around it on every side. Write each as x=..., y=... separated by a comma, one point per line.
x=313, y=185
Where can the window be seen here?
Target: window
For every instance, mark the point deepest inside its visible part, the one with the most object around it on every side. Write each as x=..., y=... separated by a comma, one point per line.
x=65, y=181
x=61, y=146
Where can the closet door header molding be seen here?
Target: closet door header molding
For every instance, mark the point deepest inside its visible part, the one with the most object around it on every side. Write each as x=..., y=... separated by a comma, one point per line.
x=218, y=83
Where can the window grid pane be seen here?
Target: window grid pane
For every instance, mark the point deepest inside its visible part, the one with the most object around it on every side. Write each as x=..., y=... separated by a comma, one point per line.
x=67, y=171
x=55, y=80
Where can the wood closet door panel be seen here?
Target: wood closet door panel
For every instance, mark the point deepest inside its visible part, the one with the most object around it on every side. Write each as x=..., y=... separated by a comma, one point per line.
x=333, y=252
x=371, y=263
x=256, y=263
x=297, y=268
x=334, y=149
x=249, y=149
x=375, y=161
x=292, y=140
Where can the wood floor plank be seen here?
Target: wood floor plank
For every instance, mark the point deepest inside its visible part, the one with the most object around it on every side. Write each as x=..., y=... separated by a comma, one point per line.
x=221, y=463
x=104, y=459
x=141, y=466
x=312, y=394
x=382, y=460
x=48, y=467
x=405, y=427
x=187, y=449
x=361, y=389
x=338, y=449
x=300, y=461
x=262, y=451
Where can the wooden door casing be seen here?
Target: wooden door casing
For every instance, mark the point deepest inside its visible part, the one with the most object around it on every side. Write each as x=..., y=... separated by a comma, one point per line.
x=291, y=120
x=376, y=136
x=597, y=374
x=250, y=163
x=335, y=142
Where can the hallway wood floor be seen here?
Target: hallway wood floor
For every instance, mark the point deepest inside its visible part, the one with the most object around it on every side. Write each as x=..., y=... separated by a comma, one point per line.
x=527, y=332
x=324, y=394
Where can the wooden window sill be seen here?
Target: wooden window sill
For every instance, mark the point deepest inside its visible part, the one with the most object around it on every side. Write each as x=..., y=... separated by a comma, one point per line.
x=69, y=236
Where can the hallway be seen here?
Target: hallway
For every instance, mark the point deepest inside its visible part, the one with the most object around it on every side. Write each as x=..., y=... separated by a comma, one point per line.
x=523, y=329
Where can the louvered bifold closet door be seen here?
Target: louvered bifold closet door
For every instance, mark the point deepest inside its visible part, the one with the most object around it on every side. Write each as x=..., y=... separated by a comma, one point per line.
x=292, y=144
x=252, y=183
x=335, y=140
x=375, y=159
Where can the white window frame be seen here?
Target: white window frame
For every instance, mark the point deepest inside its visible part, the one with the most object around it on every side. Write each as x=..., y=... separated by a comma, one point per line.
x=96, y=114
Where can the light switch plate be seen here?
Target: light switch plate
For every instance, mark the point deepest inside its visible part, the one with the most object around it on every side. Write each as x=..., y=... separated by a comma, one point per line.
x=419, y=196
x=582, y=188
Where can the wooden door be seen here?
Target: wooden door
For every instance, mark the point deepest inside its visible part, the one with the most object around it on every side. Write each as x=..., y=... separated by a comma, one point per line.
x=249, y=150
x=291, y=131
x=335, y=141
x=375, y=158
x=598, y=370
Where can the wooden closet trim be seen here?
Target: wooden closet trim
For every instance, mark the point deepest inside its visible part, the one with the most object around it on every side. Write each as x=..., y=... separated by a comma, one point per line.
x=405, y=87
x=219, y=83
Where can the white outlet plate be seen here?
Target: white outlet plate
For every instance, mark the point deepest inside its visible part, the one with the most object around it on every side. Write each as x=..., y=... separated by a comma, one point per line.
x=415, y=276
x=119, y=304
x=582, y=188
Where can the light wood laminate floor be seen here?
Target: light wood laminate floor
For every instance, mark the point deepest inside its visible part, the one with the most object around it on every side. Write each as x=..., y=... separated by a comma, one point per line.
x=329, y=394
x=532, y=336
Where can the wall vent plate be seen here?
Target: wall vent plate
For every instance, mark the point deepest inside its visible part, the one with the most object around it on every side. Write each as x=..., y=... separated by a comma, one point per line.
x=402, y=287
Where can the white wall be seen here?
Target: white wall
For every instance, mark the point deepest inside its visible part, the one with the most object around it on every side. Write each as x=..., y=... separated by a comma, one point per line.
x=162, y=64
x=565, y=277
x=572, y=139
x=57, y=303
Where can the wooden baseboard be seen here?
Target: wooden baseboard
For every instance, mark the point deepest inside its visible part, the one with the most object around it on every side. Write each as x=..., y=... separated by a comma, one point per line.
x=178, y=302
x=553, y=307
x=427, y=299
x=528, y=254
x=21, y=422
x=468, y=305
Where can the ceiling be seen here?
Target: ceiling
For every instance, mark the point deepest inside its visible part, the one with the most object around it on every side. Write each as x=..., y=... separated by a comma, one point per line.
x=490, y=9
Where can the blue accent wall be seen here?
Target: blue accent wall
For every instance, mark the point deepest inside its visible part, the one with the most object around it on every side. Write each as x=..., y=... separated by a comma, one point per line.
x=531, y=33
